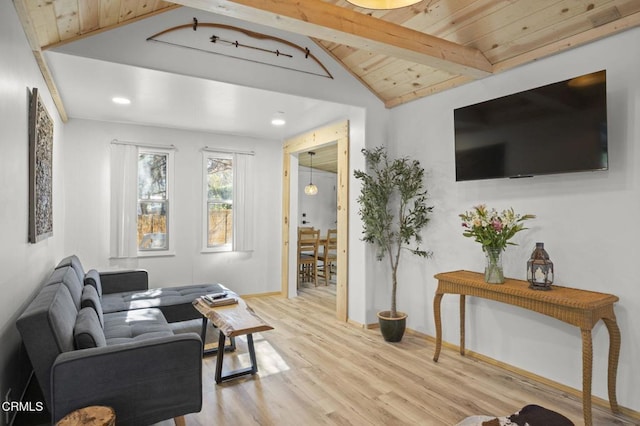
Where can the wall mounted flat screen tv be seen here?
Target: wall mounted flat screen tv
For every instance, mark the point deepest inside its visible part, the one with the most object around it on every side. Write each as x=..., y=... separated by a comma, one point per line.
x=558, y=128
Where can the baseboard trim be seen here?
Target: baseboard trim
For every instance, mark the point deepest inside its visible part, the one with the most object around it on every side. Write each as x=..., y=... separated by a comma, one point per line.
x=359, y=324
x=257, y=295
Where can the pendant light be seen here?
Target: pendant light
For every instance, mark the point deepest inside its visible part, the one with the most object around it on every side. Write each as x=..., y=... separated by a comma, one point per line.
x=311, y=189
x=383, y=4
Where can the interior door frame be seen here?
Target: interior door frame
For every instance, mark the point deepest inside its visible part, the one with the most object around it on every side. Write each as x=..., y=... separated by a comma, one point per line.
x=339, y=133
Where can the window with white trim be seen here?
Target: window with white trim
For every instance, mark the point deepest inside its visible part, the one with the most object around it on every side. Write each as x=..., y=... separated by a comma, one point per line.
x=219, y=201
x=153, y=200
x=228, y=201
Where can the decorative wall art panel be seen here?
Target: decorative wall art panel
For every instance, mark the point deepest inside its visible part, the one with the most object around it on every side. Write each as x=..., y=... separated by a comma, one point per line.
x=40, y=170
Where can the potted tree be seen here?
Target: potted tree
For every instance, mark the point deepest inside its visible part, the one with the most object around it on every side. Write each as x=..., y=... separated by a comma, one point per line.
x=393, y=210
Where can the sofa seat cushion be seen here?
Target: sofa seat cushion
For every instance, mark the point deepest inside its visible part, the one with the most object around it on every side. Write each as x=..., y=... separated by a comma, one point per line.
x=174, y=302
x=139, y=324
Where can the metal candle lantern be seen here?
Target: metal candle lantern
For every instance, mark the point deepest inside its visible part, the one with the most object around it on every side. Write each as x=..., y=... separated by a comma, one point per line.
x=540, y=269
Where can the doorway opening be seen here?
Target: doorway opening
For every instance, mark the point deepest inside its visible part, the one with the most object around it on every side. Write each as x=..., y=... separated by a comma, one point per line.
x=317, y=213
x=337, y=134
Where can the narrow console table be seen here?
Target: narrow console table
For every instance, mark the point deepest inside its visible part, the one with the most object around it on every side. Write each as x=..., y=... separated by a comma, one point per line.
x=580, y=308
x=232, y=320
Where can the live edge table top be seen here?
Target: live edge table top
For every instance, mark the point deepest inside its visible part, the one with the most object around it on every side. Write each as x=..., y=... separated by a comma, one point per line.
x=233, y=320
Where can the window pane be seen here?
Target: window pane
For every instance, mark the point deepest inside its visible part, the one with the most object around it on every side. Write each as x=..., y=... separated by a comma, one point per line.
x=220, y=224
x=152, y=201
x=152, y=225
x=152, y=176
x=219, y=201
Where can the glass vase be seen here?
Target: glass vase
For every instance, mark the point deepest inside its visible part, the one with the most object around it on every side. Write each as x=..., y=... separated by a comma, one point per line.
x=493, y=272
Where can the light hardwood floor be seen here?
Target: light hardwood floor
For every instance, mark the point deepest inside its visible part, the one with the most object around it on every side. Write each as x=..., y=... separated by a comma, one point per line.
x=314, y=370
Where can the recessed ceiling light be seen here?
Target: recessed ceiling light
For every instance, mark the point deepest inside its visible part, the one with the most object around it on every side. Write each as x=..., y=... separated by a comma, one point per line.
x=278, y=119
x=121, y=101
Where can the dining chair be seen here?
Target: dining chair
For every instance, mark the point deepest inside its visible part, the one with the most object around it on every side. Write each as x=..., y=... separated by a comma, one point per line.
x=328, y=256
x=308, y=243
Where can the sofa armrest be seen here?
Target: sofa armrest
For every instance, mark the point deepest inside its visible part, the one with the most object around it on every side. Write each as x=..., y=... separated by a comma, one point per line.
x=144, y=382
x=121, y=281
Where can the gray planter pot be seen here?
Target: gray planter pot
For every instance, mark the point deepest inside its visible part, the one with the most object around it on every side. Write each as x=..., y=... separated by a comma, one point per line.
x=392, y=329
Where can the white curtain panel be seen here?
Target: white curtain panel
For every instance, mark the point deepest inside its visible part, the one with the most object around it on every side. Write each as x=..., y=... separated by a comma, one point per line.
x=243, y=202
x=124, y=184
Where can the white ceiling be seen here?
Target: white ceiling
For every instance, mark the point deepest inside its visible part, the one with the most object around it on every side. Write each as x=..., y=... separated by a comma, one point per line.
x=173, y=98
x=163, y=99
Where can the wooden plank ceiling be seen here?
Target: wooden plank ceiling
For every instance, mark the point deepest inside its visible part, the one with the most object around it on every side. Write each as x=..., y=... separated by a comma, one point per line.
x=400, y=55
x=325, y=158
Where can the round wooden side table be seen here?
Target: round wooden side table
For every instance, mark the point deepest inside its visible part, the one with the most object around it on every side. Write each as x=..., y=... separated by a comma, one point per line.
x=95, y=415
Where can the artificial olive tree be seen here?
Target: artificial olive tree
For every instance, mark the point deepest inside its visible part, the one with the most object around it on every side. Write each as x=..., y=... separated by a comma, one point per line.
x=393, y=208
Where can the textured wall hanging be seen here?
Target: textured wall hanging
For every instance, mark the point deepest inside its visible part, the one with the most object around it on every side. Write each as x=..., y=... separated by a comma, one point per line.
x=40, y=170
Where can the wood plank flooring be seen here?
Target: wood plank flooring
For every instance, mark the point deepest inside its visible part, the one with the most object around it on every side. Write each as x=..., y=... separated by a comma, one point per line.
x=314, y=370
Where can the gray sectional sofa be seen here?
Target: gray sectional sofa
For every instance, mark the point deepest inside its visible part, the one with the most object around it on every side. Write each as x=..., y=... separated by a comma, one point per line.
x=105, y=339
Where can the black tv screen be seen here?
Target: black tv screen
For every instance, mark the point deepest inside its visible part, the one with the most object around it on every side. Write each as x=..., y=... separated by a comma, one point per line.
x=558, y=128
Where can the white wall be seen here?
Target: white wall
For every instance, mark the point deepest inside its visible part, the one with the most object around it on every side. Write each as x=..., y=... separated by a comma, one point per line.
x=320, y=209
x=87, y=226
x=125, y=44
x=23, y=266
x=586, y=220
x=366, y=114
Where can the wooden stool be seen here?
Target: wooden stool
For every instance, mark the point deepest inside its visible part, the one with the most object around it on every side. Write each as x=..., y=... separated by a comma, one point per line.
x=95, y=415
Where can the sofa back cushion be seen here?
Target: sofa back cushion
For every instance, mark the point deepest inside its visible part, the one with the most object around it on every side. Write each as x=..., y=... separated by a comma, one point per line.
x=88, y=332
x=90, y=299
x=74, y=262
x=68, y=276
x=46, y=327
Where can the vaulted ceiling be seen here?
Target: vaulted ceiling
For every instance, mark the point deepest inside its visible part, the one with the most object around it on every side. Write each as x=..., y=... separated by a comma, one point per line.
x=400, y=55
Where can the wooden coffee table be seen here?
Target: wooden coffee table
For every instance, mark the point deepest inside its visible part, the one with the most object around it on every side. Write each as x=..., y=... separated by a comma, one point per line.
x=232, y=321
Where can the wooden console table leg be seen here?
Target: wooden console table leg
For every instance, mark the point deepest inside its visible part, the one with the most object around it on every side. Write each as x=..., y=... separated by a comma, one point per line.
x=436, y=314
x=587, y=361
x=614, y=355
x=462, y=322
